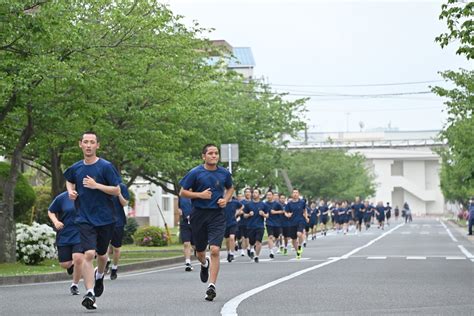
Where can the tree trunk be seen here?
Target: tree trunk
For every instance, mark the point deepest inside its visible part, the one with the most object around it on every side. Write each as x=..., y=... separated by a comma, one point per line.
x=7, y=223
x=57, y=179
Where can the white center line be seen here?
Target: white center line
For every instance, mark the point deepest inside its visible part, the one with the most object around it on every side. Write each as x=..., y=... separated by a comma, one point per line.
x=376, y=258
x=230, y=307
x=449, y=232
x=465, y=252
x=455, y=258
x=416, y=258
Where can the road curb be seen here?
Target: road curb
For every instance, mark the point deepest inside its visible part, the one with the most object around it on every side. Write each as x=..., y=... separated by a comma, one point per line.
x=62, y=276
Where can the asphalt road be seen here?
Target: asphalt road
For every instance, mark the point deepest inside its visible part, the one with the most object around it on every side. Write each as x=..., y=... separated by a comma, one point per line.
x=422, y=268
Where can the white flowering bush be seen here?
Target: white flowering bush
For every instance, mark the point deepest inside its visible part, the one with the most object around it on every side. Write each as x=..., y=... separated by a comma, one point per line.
x=34, y=243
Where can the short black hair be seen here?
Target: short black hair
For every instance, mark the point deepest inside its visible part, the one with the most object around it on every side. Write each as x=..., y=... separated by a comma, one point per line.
x=206, y=147
x=90, y=133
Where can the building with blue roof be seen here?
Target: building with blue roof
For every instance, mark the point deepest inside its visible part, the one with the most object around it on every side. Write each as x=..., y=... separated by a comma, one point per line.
x=240, y=59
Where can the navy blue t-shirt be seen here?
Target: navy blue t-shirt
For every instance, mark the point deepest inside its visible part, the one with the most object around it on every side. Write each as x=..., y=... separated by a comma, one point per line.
x=94, y=206
x=285, y=221
x=381, y=211
x=120, y=217
x=186, y=208
x=65, y=211
x=243, y=221
x=297, y=209
x=357, y=207
x=274, y=220
x=323, y=209
x=200, y=179
x=255, y=221
x=230, y=210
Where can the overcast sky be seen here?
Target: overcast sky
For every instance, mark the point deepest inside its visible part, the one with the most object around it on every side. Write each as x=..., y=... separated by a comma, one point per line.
x=341, y=53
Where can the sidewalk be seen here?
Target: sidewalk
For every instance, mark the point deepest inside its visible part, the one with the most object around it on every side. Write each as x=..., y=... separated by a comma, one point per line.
x=62, y=276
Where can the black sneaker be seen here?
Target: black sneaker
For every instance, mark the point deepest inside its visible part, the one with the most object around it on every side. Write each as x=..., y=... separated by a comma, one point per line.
x=255, y=259
x=252, y=254
x=210, y=293
x=107, y=267
x=70, y=270
x=205, y=272
x=188, y=267
x=74, y=290
x=89, y=301
x=113, y=274
x=272, y=256
x=248, y=253
x=228, y=258
x=99, y=284
x=231, y=257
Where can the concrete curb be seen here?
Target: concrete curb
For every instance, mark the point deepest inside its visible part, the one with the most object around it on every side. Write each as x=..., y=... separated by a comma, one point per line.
x=63, y=276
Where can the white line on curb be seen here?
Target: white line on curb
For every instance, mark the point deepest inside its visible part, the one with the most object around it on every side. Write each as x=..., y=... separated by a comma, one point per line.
x=465, y=252
x=230, y=308
x=449, y=232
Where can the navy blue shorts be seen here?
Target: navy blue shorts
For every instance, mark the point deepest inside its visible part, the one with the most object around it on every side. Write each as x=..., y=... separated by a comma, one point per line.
x=208, y=228
x=242, y=231
x=324, y=219
x=274, y=231
x=185, y=233
x=230, y=231
x=65, y=252
x=96, y=237
x=301, y=227
x=255, y=234
x=380, y=218
x=117, y=237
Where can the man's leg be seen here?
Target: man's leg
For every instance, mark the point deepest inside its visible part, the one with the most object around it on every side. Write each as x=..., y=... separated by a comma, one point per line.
x=78, y=259
x=215, y=264
x=88, y=270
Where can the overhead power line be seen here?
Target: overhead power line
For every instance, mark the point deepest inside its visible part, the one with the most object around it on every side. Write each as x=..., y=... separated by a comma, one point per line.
x=357, y=85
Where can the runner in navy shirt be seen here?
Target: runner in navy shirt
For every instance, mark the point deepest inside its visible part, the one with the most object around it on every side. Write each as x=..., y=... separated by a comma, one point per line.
x=380, y=214
x=256, y=212
x=295, y=210
x=359, y=211
x=231, y=210
x=70, y=254
x=285, y=226
x=273, y=221
x=91, y=183
x=185, y=209
x=209, y=186
x=388, y=213
x=121, y=219
x=241, y=235
x=323, y=216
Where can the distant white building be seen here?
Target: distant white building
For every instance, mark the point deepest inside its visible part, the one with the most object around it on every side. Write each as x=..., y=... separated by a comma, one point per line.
x=404, y=175
x=239, y=59
x=152, y=204
x=403, y=162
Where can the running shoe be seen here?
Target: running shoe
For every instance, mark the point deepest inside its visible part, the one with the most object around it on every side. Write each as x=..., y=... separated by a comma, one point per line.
x=210, y=292
x=188, y=267
x=74, y=290
x=113, y=274
x=99, y=284
x=89, y=301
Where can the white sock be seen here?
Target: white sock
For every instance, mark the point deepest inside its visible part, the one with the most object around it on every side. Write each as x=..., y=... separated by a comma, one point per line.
x=98, y=275
x=91, y=291
x=188, y=261
x=231, y=253
x=206, y=264
x=73, y=284
x=114, y=267
x=212, y=285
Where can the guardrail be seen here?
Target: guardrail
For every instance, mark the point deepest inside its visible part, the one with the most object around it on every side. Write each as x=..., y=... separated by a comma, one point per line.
x=407, y=143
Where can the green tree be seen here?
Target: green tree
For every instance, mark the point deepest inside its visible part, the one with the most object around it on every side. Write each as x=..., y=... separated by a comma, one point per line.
x=330, y=174
x=457, y=173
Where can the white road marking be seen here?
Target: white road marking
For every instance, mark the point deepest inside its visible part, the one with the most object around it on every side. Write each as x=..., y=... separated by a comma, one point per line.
x=465, y=252
x=449, y=232
x=424, y=233
x=416, y=258
x=376, y=258
x=295, y=259
x=230, y=307
x=455, y=258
